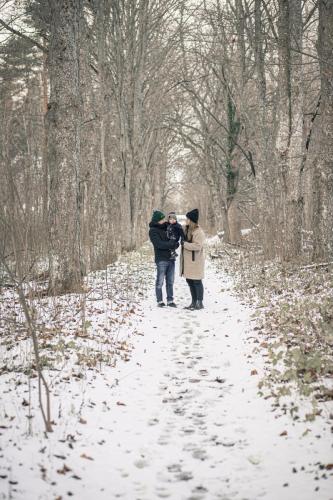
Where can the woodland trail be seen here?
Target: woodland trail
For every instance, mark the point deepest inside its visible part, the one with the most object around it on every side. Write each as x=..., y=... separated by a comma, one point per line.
x=194, y=426
x=182, y=419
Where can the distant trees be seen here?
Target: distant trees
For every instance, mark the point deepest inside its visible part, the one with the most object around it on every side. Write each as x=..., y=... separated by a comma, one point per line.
x=93, y=148
x=256, y=115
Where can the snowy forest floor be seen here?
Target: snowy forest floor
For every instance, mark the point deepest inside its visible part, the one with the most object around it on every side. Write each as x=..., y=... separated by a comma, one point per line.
x=150, y=403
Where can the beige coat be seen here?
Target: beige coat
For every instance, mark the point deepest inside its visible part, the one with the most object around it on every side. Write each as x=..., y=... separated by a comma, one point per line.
x=192, y=258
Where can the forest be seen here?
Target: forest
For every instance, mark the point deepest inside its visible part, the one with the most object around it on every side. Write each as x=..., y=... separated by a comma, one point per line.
x=111, y=109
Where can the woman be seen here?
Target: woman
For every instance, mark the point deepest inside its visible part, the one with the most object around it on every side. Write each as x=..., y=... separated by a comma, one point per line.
x=192, y=262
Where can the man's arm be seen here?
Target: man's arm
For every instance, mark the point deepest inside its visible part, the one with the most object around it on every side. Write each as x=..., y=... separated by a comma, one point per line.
x=161, y=244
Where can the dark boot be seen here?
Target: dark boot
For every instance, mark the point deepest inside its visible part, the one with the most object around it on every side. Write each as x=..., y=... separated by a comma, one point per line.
x=193, y=295
x=199, y=305
x=191, y=306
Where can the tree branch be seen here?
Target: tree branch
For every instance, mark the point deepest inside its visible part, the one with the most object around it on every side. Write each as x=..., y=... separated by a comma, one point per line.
x=22, y=35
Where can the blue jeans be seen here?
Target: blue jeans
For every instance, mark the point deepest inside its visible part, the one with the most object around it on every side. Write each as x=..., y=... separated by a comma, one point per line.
x=165, y=269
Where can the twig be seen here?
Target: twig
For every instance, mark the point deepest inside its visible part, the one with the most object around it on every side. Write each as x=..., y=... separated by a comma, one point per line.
x=320, y=264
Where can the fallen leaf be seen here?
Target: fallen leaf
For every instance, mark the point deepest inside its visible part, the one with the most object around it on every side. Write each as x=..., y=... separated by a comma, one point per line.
x=82, y=421
x=119, y=403
x=254, y=372
x=284, y=433
x=64, y=470
x=86, y=456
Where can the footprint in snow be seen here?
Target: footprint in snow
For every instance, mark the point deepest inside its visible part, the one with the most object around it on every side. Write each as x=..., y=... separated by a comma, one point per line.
x=187, y=431
x=174, y=468
x=163, y=442
x=200, y=454
x=184, y=476
x=185, y=353
x=153, y=421
x=163, y=494
x=179, y=411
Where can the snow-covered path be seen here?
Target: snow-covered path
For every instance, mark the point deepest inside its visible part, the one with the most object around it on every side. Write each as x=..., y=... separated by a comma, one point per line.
x=193, y=426
x=184, y=421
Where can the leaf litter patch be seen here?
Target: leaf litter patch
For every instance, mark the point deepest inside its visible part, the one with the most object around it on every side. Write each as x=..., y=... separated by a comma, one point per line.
x=293, y=327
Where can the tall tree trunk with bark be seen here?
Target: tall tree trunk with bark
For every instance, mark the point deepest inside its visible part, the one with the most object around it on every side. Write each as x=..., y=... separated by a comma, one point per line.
x=290, y=134
x=264, y=162
x=64, y=122
x=323, y=139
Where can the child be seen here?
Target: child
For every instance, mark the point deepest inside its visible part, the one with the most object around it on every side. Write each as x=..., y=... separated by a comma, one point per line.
x=174, y=232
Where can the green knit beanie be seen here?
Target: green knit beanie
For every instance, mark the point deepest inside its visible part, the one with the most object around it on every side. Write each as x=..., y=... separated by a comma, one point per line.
x=157, y=216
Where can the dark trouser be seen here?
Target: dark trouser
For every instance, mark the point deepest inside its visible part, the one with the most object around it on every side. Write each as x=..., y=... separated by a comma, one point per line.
x=165, y=269
x=196, y=289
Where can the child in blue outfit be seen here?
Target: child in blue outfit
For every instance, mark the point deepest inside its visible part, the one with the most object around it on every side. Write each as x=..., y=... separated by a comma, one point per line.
x=174, y=232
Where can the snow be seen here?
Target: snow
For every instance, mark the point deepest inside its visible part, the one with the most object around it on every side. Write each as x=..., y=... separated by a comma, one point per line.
x=213, y=240
x=181, y=419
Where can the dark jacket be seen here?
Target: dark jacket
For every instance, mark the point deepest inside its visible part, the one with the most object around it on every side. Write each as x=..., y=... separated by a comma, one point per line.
x=175, y=232
x=159, y=238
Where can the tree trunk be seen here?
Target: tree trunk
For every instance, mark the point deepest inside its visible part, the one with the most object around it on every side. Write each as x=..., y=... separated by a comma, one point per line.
x=323, y=139
x=64, y=121
x=290, y=134
x=264, y=171
x=45, y=99
x=234, y=222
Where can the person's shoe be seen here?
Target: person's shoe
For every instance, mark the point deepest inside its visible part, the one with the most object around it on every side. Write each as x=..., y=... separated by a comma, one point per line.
x=172, y=304
x=190, y=307
x=160, y=304
x=199, y=305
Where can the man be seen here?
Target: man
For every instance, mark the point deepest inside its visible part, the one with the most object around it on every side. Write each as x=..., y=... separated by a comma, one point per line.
x=165, y=265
